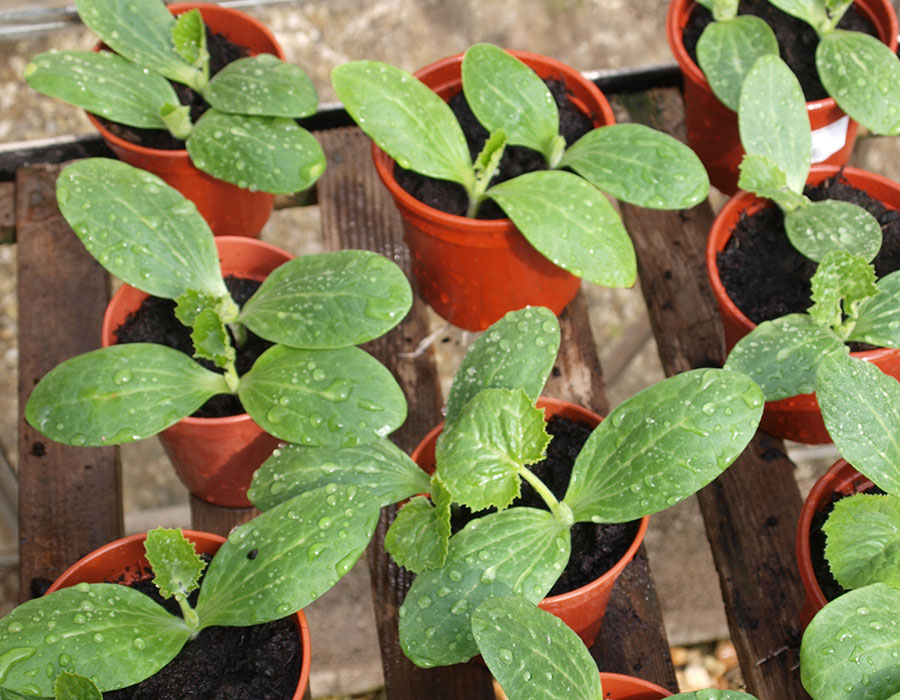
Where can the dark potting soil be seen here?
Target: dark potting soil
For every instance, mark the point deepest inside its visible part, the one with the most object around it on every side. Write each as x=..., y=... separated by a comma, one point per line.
x=155, y=322
x=596, y=548
x=451, y=197
x=766, y=277
x=797, y=41
x=221, y=53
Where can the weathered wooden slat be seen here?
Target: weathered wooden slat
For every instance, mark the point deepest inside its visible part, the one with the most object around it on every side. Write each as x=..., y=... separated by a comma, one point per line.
x=7, y=212
x=216, y=519
x=70, y=499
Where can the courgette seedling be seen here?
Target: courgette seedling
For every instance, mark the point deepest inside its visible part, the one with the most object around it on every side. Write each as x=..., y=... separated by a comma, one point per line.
x=564, y=215
x=249, y=136
x=652, y=451
x=312, y=387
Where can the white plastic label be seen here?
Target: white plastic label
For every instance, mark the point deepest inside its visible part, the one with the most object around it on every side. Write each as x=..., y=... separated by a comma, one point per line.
x=829, y=139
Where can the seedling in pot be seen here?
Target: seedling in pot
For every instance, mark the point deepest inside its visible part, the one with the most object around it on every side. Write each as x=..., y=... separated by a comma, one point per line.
x=654, y=450
x=248, y=137
x=312, y=387
x=563, y=214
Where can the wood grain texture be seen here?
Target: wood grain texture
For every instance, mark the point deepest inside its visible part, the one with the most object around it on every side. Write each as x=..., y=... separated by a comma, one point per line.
x=216, y=519
x=7, y=212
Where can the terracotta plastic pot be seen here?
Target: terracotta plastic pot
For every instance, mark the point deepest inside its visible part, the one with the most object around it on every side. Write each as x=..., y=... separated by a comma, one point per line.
x=214, y=457
x=583, y=608
x=229, y=209
x=798, y=417
x=619, y=687
x=123, y=561
x=712, y=129
x=471, y=271
x=841, y=479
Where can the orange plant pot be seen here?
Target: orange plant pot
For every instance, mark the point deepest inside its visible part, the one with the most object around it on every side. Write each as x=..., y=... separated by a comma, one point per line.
x=214, y=457
x=474, y=271
x=712, y=128
x=583, y=608
x=228, y=209
x=619, y=687
x=123, y=561
x=798, y=417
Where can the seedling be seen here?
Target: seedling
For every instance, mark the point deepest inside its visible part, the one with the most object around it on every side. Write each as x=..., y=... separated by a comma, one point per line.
x=312, y=387
x=564, y=215
x=249, y=136
x=654, y=450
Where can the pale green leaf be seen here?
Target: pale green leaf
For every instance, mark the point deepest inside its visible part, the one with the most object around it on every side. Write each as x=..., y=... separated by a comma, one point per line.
x=189, y=39
x=211, y=340
x=762, y=176
x=263, y=85
x=810, y=11
x=863, y=540
x=176, y=564
x=419, y=537
x=192, y=303
x=722, y=9
x=879, y=316
x=820, y=227
x=488, y=159
x=840, y=283
x=71, y=686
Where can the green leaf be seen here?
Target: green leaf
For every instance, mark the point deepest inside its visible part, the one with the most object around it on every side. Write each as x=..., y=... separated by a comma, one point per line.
x=102, y=83
x=782, y=355
x=516, y=352
x=820, y=227
x=518, y=551
x=71, y=686
x=571, y=223
x=879, y=316
x=192, y=303
x=139, y=228
x=863, y=540
x=505, y=94
x=176, y=564
x=282, y=560
x=189, y=39
x=773, y=120
x=727, y=50
x=322, y=398
x=379, y=467
x=479, y=455
x=810, y=11
x=849, y=649
x=119, y=394
x=861, y=409
x=177, y=119
x=663, y=444
x=640, y=165
x=532, y=653
x=722, y=9
x=488, y=159
x=329, y=300
x=59, y=632
x=840, y=283
x=407, y=120
x=419, y=537
x=762, y=176
x=863, y=77
x=211, y=341
x=271, y=154
x=263, y=85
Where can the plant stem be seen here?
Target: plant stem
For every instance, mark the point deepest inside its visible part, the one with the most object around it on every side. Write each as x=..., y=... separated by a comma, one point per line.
x=239, y=333
x=562, y=512
x=188, y=613
x=474, y=204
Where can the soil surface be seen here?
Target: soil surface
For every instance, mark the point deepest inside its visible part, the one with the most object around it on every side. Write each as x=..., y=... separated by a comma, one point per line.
x=596, y=548
x=797, y=41
x=451, y=197
x=155, y=322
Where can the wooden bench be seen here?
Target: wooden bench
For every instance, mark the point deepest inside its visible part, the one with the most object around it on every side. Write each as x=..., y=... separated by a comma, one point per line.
x=70, y=498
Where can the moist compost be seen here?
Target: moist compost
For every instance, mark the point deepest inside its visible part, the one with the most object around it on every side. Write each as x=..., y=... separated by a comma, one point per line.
x=155, y=322
x=766, y=277
x=797, y=41
x=221, y=53
x=451, y=197
x=596, y=548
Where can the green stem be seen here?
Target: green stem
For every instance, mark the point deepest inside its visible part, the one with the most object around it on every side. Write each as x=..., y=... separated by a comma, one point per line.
x=562, y=512
x=191, y=619
x=474, y=204
x=231, y=377
x=239, y=333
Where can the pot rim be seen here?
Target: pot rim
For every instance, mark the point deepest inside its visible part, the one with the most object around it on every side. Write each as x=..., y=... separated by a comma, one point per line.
x=643, y=685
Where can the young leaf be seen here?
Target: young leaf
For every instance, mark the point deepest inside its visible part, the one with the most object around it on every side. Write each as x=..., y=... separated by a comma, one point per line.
x=820, y=227
x=271, y=154
x=263, y=85
x=71, y=686
x=863, y=77
x=727, y=50
x=532, y=653
x=488, y=159
x=102, y=83
x=158, y=243
x=287, y=557
x=640, y=165
x=518, y=551
x=119, y=394
x=329, y=300
x=480, y=454
x=722, y=9
x=189, y=39
x=810, y=11
x=59, y=632
x=419, y=537
x=507, y=95
x=762, y=176
x=849, y=650
x=840, y=283
x=879, y=316
x=211, y=341
x=773, y=121
x=516, y=352
x=176, y=564
x=192, y=303
x=333, y=398
x=863, y=540
x=571, y=223
x=782, y=355
x=663, y=444
x=407, y=120
x=380, y=467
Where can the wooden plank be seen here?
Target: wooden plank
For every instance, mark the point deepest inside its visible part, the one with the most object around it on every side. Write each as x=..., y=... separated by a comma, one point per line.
x=217, y=519
x=751, y=510
x=7, y=212
x=70, y=499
